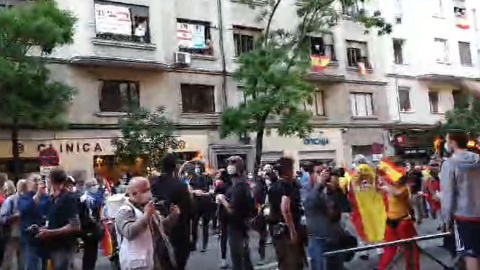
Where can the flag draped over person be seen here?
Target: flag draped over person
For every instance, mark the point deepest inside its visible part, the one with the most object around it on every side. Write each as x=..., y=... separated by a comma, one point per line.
x=368, y=205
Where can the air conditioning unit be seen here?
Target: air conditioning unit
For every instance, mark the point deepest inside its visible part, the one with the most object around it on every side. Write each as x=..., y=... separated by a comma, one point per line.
x=182, y=58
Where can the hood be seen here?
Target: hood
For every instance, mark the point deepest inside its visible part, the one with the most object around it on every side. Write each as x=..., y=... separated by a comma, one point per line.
x=467, y=161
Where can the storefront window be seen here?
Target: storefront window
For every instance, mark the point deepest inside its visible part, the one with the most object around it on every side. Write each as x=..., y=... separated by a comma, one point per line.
x=27, y=165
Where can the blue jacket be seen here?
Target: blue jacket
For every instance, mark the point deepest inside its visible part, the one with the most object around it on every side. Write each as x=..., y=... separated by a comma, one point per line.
x=31, y=213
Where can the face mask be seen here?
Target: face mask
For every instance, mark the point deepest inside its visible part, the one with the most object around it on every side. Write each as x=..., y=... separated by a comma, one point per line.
x=93, y=189
x=231, y=169
x=447, y=148
x=73, y=189
x=197, y=171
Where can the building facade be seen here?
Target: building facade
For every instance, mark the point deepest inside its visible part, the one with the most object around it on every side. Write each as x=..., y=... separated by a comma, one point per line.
x=434, y=47
x=181, y=55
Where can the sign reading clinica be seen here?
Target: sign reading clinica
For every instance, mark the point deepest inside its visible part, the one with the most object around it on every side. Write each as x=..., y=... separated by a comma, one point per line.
x=320, y=140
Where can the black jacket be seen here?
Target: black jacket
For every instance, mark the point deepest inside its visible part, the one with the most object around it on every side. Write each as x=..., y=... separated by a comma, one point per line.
x=172, y=191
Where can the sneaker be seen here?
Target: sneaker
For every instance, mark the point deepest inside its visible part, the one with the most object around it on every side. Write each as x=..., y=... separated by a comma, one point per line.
x=223, y=264
x=261, y=262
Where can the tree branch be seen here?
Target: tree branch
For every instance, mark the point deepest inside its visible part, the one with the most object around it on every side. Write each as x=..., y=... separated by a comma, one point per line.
x=270, y=19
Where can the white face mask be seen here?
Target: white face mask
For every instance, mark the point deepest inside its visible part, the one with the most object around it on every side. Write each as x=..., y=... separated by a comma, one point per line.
x=231, y=169
x=197, y=170
x=93, y=189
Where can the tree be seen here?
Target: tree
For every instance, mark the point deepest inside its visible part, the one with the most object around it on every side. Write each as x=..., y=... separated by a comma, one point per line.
x=28, y=96
x=464, y=117
x=272, y=75
x=145, y=135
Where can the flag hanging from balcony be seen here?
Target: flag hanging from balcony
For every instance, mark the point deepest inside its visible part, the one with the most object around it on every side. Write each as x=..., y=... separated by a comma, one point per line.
x=319, y=62
x=461, y=18
x=368, y=205
x=361, y=68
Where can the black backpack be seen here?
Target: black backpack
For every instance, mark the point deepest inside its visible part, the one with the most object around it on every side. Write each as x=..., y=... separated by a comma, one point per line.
x=90, y=223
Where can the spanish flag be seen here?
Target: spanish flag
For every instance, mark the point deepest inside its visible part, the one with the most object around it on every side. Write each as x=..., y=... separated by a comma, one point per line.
x=319, y=63
x=106, y=242
x=391, y=172
x=368, y=206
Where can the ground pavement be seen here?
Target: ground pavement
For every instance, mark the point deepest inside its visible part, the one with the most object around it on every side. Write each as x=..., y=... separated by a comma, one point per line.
x=210, y=259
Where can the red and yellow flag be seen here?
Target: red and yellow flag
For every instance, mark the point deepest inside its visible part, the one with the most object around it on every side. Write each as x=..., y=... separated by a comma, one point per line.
x=319, y=63
x=368, y=206
x=391, y=172
x=106, y=242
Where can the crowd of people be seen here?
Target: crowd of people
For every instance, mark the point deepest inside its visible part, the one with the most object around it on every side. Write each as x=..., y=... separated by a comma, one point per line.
x=303, y=214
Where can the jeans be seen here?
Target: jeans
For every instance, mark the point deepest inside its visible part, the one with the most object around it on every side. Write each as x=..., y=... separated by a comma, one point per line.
x=62, y=259
x=316, y=248
x=239, y=249
x=33, y=260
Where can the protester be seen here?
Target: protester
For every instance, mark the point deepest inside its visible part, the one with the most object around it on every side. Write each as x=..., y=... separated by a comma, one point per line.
x=400, y=224
x=240, y=207
x=460, y=191
x=142, y=233
x=204, y=206
x=415, y=183
x=260, y=192
x=33, y=205
x=285, y=216
x=10, y=217
x=323, y=223
x=89, y=213
x=170, y=189
x=222, y=186
x=63, y=222
x=3, y=240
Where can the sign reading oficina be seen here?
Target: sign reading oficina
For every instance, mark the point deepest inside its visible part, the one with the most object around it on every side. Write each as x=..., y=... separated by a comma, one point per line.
x=320, y=140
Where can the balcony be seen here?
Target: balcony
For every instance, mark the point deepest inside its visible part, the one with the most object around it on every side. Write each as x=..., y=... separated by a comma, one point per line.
x=122, y=38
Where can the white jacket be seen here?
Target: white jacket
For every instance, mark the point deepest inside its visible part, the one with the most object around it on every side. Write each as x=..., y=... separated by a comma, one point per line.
x=136, y=254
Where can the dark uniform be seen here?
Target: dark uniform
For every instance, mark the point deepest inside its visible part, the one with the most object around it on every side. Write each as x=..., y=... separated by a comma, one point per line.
x=290, y=256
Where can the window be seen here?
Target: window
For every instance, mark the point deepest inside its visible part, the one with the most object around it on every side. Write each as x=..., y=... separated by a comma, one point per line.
x=475, y=19
x=362, y=104
x=244, y=39
x=460, y=99
x=357, y=53
x=197, y=98
x=404, y=99
x=323, y=46
x=433, y=99
x=441, y=50
x=438, y=8
x=119, y=96
x=352, y=10
x=317, y=106
x=194, y=37
x=122, y=22
x=465, y=53
x=398, y=45
x=398, y=11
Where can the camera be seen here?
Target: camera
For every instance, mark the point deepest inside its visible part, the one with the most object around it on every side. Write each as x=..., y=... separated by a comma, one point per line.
x=33, y=230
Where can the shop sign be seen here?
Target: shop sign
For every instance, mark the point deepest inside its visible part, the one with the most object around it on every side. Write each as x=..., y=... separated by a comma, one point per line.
x=45, y=170
x=74, y=147
x=415, y=151
x=316, y=141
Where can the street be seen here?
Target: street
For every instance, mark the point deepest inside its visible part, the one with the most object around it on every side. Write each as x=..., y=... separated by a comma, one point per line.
x=210, y=259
